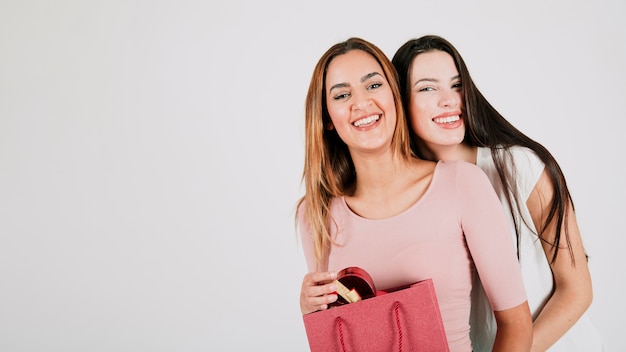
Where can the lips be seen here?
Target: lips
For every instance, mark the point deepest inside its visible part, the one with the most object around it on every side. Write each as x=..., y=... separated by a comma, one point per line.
x=366, y=121
x=447, y=120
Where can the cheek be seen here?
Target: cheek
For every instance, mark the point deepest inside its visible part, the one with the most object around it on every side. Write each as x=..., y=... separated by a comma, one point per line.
x=420, y=120
x=419, y=128
x=334, y=112
x=419, y=112
x=339, y=117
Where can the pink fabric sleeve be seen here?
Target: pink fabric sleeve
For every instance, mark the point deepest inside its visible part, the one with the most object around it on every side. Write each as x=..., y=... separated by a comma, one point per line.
x=489, y=240
x=306, y=238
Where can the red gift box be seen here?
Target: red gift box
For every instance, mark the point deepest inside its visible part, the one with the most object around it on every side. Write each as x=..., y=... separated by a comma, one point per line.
x=400, y=320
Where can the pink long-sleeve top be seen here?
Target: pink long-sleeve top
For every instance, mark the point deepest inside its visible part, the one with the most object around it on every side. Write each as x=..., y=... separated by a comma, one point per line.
x=456, y=227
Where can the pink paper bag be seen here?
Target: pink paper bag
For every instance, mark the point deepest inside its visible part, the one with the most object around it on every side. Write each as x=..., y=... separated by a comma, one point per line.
x=404, y=320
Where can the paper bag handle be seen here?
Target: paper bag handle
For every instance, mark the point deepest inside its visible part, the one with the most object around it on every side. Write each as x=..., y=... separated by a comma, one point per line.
x=399, y=325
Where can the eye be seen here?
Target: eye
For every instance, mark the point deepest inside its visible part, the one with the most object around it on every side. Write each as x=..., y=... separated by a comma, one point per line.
x=374, y=86
x=457, y=85
x=426, y=89
x=341, y=96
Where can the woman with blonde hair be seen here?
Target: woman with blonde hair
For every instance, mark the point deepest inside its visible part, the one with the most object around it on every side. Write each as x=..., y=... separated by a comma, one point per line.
x=369, y=203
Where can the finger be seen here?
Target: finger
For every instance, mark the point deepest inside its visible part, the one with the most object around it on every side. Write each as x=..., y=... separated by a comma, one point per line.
x=319, y=278
x=312, y=304
x=319, y=290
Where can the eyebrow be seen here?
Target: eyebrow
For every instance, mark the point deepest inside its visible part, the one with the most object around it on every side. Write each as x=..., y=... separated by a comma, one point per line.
x=363, y=79
x=369, y=75
x=435, y=80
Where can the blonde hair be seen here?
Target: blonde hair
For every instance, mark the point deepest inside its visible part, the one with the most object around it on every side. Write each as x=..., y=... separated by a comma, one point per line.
x=328, y=168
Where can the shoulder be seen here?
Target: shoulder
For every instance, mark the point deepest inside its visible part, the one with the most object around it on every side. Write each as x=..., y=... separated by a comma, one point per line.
x=524, y=154
x=522, y=166
x=302, y=207
x=459, y=167
x=518, y=155
x=528, y=168
x=461, y=173
x=522, y=159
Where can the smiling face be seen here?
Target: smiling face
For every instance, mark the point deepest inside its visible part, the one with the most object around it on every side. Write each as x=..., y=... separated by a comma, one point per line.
x=436, y=101
x=360, y=101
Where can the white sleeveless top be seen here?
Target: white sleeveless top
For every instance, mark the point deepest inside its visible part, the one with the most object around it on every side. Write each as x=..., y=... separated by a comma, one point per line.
x=536, y=271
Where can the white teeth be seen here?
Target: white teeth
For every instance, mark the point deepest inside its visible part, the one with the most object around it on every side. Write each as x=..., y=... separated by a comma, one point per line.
x=367, y=120
x=449, y=119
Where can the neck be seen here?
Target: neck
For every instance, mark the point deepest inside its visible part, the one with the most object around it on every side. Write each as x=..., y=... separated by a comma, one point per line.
x=378, y=173
x=387, y=186
x=460, y=151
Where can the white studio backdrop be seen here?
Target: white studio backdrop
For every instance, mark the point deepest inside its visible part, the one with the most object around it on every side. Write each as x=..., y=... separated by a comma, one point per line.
x=151, y=155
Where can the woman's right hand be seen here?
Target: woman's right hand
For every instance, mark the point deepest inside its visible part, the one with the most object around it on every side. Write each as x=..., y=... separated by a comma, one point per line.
x=318, y=290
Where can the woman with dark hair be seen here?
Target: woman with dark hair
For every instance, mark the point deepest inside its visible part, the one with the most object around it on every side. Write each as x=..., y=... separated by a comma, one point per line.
x=451, y=120
x=369, y=203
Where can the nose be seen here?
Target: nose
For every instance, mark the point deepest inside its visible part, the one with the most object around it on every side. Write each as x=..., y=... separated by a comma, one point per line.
x=450, y=98
x=361, y=102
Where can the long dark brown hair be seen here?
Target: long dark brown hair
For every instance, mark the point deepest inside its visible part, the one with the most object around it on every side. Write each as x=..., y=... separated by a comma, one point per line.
x=486, y=127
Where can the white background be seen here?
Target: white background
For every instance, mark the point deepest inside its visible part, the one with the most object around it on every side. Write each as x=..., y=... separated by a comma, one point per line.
x=151, y=155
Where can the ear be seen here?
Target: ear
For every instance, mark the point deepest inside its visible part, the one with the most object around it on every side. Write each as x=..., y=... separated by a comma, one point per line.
x=330, y=126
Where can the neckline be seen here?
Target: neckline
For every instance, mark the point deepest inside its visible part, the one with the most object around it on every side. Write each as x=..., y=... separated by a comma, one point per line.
x=416, y=204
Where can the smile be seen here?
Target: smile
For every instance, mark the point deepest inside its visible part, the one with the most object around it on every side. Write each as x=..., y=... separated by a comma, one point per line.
x=449, y=119
x=366, y=121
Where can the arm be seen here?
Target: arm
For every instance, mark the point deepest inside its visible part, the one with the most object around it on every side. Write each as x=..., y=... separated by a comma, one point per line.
x=489, y=240
x=317, y=291
x=573, y=291
x=514, y=329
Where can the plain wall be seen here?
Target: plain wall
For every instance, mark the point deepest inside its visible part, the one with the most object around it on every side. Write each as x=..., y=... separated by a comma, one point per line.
x=151, y=155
